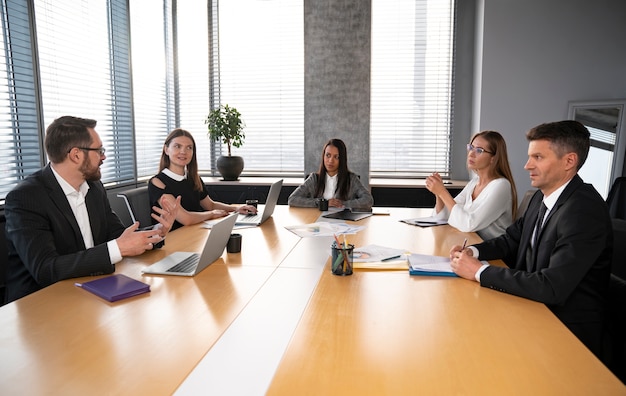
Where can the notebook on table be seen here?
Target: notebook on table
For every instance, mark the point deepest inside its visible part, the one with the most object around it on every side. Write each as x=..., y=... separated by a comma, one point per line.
x=348, y=214
x=189, y=263
x=264, y=214
x=115, y=287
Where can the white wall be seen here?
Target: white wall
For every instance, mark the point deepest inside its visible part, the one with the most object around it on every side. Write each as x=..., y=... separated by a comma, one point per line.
x=538, y=55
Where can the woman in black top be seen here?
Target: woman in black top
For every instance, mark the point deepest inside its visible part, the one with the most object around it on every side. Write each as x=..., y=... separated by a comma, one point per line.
x=178, y=176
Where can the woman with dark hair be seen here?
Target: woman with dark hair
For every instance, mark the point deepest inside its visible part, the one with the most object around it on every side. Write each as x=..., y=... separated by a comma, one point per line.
x=488, y=202
x=334, y=182
x=178, y=176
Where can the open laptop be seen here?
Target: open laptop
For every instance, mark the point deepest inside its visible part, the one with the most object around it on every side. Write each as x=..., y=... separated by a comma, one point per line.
x=189, y=263
x=268, y=209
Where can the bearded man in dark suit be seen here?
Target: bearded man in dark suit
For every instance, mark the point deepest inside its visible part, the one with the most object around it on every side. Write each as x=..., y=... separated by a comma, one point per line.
x=59, y=223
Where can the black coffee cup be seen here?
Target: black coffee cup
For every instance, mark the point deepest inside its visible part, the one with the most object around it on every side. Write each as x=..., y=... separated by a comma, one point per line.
x=234, y=243
x=322, y=204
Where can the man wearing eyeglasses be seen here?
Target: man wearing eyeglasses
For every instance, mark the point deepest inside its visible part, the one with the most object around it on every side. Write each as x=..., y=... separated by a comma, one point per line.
x=59, y=223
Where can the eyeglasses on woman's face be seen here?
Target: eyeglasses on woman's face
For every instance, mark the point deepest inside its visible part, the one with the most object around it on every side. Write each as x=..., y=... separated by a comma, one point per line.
x=477, y=150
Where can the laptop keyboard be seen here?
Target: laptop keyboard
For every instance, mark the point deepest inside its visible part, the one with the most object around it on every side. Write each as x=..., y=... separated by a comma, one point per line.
x=250, y=218
x=186, y=265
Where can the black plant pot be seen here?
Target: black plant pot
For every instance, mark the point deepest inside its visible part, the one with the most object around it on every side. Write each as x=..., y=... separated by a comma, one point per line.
x=230, y=167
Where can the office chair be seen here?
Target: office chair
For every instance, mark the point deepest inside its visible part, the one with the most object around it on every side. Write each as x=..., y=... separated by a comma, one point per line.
x=4, y=261
x=615, y=343
x=139, y=203
x=616, y=200
x=523, y=205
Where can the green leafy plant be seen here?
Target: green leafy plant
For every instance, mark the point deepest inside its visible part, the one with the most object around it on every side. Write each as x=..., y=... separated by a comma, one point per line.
x=224, y=123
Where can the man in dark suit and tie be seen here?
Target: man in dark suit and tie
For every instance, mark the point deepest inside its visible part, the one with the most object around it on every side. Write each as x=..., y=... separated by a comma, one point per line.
x=59, y=224
x=559, y=252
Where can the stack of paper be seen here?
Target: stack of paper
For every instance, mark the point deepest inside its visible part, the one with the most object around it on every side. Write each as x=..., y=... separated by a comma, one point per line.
x=323, y=229
x=423, y=264
x=379, y=258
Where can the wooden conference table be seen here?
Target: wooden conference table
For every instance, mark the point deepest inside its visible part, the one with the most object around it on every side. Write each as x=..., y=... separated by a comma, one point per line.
x=274, y=320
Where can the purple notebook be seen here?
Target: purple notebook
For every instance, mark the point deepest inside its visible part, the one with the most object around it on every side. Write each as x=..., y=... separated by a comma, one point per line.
x=115, y=287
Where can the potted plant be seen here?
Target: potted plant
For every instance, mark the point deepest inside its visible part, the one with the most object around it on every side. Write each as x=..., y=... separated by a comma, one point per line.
x=224, y=124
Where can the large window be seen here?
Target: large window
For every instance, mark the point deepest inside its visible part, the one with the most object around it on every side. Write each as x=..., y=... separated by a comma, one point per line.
x=187, y=57
x=411, y=98
x=20, y=153
x=261, y=73
x=153, y=90
x=84, y=68
x=253, y=62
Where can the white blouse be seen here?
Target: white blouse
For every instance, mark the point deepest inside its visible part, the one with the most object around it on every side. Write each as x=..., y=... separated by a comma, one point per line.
x=489, y=214
x=331, y=186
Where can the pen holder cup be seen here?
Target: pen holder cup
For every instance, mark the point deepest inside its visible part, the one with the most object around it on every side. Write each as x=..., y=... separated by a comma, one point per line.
x=341, y=259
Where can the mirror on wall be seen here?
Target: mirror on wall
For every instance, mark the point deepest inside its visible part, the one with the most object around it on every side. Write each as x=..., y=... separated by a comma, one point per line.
x=605, y=121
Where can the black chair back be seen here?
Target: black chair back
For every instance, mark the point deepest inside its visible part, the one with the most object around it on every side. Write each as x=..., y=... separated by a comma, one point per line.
x=616, y=199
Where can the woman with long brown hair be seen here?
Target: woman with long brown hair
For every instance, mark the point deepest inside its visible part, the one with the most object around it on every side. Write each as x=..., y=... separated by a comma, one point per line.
x=488, y=202
x=334, y=182
x=178, y=176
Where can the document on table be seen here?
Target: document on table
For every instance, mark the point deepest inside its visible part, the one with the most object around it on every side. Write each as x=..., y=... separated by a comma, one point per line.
x=323, y=229
x=423, y=264
x=425, y=221
x=379, y=258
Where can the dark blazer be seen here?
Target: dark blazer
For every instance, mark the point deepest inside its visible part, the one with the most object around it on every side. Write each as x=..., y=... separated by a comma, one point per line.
x=44, y=240
x=571, y=266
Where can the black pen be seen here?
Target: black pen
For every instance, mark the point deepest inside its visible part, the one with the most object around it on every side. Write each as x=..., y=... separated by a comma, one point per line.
x=464, y=244
x=391, y=258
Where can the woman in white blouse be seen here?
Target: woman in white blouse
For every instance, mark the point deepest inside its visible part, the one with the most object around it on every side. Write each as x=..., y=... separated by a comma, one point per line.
x=488, y=203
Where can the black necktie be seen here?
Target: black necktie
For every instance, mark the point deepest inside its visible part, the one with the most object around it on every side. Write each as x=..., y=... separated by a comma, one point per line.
x=539, y=224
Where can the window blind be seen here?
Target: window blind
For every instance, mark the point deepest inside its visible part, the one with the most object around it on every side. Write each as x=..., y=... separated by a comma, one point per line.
x=261, y=74
x=411, y=91
x=152, y=81
x=85, y=72
x=20, y=153
x=192, y=65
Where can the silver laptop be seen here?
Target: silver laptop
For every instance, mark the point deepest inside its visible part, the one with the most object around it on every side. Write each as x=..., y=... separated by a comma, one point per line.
x=189, y=263
x=268, y=209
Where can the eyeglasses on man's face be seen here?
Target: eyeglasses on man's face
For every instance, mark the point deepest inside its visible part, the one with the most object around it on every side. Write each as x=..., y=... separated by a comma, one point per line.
x=477, y=150
x=100, y=150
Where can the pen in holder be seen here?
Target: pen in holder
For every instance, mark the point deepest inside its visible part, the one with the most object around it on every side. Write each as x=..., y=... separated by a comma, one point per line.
x=341, y=259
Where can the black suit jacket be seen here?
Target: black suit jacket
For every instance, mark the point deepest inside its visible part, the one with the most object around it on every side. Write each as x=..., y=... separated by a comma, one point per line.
x=571, y=267
x=44, y=240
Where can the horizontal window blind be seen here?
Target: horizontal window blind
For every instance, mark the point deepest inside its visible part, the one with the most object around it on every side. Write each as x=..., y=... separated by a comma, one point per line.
x=192, y=65
x=20, y=149
x=411, y=88
x=81, y=75
x=152, y=86
x=261, y=74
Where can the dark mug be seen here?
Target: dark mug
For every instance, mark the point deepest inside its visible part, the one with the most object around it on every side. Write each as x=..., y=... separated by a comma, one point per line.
x=234, y=243
x=322, y=204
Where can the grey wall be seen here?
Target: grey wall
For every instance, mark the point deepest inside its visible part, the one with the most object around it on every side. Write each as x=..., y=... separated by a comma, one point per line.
x=337, y=80
x=537, y=56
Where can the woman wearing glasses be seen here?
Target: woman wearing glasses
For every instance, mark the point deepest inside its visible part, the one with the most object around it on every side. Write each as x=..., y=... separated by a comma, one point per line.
x=488, y=203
